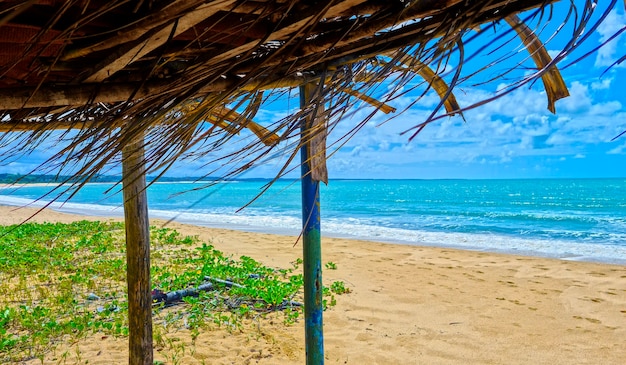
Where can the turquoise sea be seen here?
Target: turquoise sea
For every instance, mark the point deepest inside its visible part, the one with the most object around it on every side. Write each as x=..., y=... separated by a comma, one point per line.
x=574, y=219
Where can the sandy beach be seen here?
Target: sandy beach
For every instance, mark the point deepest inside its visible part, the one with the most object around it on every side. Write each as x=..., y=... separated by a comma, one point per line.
x=408, y=305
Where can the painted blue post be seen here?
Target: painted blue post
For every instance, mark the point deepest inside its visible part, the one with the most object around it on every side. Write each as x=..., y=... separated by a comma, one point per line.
x=312, y=250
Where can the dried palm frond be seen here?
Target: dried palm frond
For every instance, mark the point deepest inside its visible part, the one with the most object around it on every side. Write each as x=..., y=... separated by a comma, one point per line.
x=188, y=77
x=434, y=81
x=368, y=99
x=552, y=80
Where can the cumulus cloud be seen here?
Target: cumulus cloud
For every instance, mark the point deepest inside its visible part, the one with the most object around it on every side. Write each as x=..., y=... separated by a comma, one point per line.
x=494, y=137
x=602, y=85
x=507, y=129
x=579, y=99
x=614, y=49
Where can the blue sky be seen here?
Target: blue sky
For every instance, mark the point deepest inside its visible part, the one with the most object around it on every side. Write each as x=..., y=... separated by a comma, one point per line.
x=514, y=136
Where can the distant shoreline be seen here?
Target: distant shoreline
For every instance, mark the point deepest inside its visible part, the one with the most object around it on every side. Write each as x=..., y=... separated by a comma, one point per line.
x=7, y=180
x=116, y=212
x=478, y=221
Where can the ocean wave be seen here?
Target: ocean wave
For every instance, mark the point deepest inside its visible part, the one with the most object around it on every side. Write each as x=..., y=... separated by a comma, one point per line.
x=610, y=251
x=595, y=246
x=78, y=208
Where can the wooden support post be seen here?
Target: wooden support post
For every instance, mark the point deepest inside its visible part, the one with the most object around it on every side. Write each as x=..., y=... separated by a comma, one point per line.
x=137, y=255
x=311, y=237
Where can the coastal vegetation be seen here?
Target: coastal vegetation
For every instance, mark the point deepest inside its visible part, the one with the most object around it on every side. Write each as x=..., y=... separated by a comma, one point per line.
x=62, y=282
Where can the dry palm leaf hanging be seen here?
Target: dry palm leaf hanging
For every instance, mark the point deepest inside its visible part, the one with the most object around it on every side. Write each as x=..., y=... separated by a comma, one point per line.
x=190, y=76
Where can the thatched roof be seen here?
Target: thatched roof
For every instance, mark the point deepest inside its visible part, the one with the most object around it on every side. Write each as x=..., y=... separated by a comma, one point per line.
x=121, y=70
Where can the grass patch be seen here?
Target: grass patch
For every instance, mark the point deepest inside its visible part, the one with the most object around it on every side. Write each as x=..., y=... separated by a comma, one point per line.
x=61, y=282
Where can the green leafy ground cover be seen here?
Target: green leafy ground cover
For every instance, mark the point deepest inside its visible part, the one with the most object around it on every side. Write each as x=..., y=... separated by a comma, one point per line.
x=62, y=282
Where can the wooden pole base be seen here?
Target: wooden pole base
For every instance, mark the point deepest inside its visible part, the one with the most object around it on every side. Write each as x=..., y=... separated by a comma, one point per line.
x=137, y=255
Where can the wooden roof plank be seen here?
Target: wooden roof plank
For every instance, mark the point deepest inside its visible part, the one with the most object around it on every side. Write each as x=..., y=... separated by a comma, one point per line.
x=187, y=21
x=135, y=31
x=287, y=30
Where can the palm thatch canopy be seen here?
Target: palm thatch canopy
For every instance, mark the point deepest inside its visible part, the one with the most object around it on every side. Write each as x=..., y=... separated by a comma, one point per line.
x=190, y=74
x=179, y=78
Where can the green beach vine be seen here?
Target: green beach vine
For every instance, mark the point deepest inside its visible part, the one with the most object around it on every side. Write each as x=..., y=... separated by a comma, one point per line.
x=62, y=282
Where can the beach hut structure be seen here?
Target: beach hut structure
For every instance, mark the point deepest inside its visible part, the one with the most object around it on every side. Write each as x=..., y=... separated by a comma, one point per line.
x=146, y=83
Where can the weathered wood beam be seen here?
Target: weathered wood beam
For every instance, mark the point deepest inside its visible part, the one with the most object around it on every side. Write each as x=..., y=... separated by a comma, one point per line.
x=347, y=47
x=51, y=96
x=137, y=30
x=285, y=31
x=79, y=95
x=244, y=25
x=254, y=7
x=48, y=126
x=418, y=10
x=137, y=254
x=182, y=24
x=366, y=8
x=411, y=34
x=222, y=117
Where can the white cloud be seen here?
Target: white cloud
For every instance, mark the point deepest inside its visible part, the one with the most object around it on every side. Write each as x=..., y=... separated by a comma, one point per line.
x=609, y=108
x=515, y=127
x=614, y=49
x=578, y=101
x=384, y=146
x=602, y=85
x=510, y=127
